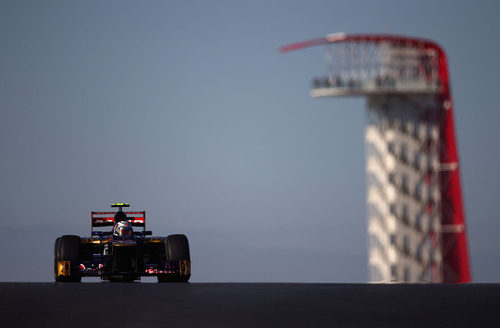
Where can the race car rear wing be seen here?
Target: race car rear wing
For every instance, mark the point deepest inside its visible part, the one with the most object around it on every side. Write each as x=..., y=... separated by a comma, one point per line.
x=106, y=219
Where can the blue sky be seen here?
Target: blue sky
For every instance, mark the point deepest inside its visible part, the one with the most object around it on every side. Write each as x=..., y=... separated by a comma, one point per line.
x=188, y=110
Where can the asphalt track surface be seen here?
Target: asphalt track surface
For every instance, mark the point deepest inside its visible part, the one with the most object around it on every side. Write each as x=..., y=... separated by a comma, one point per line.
x=248, y=305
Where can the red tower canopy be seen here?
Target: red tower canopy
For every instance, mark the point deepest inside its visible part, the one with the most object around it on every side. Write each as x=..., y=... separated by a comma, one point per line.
x=363, y=64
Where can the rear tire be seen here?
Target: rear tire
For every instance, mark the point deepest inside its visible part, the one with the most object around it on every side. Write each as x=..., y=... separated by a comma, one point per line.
x=176, y=249
x=67, y=248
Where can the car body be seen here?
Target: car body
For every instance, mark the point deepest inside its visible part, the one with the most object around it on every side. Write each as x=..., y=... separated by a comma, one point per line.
x=122, y=254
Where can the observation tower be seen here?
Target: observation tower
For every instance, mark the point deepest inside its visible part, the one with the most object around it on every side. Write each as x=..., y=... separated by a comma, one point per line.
x=416, y=223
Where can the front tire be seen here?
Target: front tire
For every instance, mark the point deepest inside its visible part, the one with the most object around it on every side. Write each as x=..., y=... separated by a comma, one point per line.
x=177, y=249
x=67, y=250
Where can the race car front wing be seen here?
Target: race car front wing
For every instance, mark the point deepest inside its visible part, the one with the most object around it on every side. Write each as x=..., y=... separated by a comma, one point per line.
x=96, y=268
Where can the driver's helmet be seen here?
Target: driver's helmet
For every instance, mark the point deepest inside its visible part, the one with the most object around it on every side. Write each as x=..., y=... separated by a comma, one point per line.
x=123, y=229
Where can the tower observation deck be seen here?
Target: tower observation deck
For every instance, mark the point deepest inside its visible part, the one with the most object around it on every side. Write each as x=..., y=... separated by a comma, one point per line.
x=416, y=223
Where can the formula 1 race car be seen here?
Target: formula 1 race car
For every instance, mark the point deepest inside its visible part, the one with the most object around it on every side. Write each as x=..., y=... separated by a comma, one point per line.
x=121, y=254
